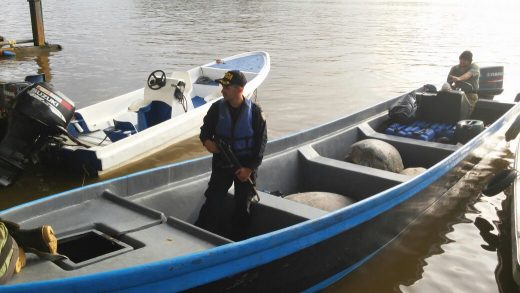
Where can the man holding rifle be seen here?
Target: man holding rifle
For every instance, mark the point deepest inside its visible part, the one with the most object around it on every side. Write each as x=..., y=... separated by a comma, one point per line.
x=238, y=123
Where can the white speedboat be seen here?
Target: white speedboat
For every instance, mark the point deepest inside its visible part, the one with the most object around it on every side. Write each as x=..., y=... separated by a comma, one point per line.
x=169, y=109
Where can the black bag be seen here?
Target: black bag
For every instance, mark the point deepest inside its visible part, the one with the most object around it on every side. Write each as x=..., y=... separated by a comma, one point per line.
x=403, y=111
x=429, y=88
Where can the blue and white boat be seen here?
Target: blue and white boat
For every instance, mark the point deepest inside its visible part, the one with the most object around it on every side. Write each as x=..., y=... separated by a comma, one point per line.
x=136, y=233
x=167, y=110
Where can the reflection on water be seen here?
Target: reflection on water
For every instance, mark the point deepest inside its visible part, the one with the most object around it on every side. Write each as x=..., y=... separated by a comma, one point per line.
x=329, y=59
x=43, y=66
x=40, y=181
x=41, y=59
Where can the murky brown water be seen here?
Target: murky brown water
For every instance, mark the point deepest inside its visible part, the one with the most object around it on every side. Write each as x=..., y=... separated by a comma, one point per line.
x=329, y=59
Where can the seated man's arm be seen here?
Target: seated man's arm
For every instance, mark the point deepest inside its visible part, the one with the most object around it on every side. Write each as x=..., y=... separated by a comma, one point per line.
x=473, y=71
x=450, y=75
x=464, y=77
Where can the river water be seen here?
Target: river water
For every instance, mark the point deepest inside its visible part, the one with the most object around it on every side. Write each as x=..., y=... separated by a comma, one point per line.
x=328, y=59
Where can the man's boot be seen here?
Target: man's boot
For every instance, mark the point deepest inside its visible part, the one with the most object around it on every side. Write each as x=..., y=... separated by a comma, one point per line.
x=41, y=239
x=20, y=262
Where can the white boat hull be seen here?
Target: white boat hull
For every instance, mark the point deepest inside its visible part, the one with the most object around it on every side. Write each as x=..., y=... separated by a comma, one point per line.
x=105, y=155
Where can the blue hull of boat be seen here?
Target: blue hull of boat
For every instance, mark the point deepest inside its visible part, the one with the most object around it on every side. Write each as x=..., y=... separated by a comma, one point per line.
x=309, y=255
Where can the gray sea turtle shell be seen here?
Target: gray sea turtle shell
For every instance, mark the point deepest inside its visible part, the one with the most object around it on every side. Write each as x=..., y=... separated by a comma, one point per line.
x=376, y=154
x=321, y=200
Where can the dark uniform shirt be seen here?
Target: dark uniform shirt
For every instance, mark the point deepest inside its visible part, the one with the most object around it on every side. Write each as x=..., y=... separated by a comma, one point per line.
x=208, y=130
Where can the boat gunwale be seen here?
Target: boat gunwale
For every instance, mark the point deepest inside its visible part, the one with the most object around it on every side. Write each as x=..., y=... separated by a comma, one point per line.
x=229, y=259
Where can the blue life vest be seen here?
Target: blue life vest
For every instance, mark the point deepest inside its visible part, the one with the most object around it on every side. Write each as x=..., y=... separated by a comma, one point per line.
x=241, y=135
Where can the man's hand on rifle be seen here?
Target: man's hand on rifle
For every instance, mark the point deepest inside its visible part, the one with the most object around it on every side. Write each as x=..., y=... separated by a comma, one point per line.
x=243, y=174
x=211, y=146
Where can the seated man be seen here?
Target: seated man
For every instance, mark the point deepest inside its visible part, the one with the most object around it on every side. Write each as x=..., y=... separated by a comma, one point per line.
x=468, y=72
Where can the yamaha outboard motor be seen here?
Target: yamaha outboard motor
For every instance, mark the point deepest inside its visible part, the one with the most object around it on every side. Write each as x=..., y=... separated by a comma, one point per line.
x=39, y=113
x=491, y=82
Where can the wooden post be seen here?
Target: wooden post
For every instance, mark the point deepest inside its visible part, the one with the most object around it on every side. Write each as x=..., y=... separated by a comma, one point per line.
x=37, y=22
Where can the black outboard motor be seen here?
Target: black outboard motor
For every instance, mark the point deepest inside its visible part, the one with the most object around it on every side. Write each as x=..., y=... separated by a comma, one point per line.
x=39, y=113
x=491, y=82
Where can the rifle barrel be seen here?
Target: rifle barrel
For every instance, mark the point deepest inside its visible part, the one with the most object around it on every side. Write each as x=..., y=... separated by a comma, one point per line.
x=226, y=150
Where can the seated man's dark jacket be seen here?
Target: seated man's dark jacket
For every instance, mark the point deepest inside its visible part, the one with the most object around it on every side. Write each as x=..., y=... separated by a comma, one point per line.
x=208, y=130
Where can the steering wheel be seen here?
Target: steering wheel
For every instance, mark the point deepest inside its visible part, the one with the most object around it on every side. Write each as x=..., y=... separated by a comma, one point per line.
x=464, y=86
x=157, y=80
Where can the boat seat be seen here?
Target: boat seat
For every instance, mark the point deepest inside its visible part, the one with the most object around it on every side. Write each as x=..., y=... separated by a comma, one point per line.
x=153, y=114
x=118, y=134
x=77, y=125
x=124, y=126
x=74, y=129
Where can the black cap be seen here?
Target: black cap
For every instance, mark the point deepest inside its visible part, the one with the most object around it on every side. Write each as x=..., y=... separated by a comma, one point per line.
x=233, y=77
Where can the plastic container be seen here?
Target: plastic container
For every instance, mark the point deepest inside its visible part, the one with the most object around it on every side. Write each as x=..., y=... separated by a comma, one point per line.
x=7, y=53
x=425, y=134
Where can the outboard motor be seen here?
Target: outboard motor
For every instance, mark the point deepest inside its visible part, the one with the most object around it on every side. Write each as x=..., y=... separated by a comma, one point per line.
x=39, y=113
x=8, y=92
x=491, y=82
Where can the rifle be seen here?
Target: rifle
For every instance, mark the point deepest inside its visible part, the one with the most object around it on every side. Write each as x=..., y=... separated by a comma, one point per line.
x=226, y=150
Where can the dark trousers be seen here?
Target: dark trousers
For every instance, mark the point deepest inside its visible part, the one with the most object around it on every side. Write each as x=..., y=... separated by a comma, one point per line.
x=211, y=215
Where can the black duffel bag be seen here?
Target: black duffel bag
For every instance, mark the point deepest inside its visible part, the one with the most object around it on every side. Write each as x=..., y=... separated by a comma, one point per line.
x=403, y=111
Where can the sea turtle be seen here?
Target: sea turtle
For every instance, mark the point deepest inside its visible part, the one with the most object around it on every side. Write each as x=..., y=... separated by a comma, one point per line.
x=321, y=200
x=376, y=154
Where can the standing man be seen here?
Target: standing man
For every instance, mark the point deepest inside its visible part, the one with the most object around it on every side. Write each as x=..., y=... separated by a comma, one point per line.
x=469, y=72
x=239, y=122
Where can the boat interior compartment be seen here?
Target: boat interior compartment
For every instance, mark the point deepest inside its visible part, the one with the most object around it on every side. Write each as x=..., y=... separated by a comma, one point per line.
x=184, y=199
x=166, y=240
x=295, y=173
x=247, y=63
x=111, y=232
x=440, y=117
x=216, y=72
x=107, y=208
x=489, y=111
x=415, y=153
x=211, y=73
x=181, y=200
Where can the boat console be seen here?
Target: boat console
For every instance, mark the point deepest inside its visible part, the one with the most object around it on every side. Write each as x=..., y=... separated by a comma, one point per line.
x=164, y=98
